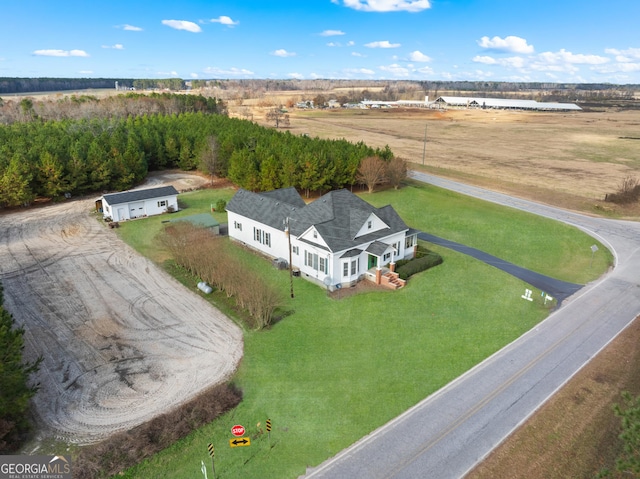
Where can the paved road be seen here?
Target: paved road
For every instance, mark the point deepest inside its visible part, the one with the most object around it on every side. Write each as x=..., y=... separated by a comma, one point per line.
x=449, y=432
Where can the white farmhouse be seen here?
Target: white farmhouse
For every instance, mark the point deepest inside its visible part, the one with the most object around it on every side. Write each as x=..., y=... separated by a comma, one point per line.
x=139, y=203
x=336, y=240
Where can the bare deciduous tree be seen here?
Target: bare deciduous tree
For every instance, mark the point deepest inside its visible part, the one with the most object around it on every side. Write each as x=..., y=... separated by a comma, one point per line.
x=209, y=258
x=372, y=172
x=277, y=116
x=396, y=171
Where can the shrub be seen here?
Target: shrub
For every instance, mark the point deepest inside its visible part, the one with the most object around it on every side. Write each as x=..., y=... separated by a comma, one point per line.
x=628, y=192
x=126, y=449
x=220, y=206
x=422, y=262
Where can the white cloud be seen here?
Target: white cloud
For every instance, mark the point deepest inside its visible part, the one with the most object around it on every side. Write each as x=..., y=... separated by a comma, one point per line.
x=182, y=25
x=172, y=73
x=333, y=44
x=624, y=56
x=395, y=70
x=283, y=53
x=131, y=28
x=117, y=46
x=193, y=75
x=351, y=43
x=230, y=72
x=511, y=62
x=61, y=53
x=565, y=57
x=297, y=76
x=622, y=67
x=418, y=56
x=382, y=44
x=331, y=33
x=224, y=20
x=386, y=5
x=363, y=71
x=485, y=59
x=357, y=54
x=507, y=44
x=86, y=72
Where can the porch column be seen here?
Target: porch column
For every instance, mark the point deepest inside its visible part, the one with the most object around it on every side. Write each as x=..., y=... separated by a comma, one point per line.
x=378, y=275
x=392, y=267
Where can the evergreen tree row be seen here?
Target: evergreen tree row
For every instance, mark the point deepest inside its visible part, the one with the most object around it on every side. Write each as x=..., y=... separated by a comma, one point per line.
x=52, y=158
x=15, y=390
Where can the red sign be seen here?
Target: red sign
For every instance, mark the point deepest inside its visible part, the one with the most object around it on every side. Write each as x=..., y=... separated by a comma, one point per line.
x=237, y=430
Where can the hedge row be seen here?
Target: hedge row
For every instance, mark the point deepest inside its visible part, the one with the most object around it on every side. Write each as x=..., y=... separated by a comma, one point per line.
x=126, y=449
x=424, y=260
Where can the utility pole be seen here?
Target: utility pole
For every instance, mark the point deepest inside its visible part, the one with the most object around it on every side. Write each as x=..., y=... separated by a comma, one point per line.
x=424, y=148
x=288, y=232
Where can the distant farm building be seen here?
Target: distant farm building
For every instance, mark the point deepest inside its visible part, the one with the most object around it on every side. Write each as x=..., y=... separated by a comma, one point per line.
x=139, y=203
x=501, y=103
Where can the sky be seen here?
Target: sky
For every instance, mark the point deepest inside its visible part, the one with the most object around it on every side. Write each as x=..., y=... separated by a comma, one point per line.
x=556, y=41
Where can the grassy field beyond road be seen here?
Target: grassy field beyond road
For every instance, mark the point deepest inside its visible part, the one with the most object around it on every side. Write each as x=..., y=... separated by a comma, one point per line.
x=330, y=371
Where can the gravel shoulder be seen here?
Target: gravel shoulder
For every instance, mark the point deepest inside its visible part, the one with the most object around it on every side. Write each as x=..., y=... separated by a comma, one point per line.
x=122, y=341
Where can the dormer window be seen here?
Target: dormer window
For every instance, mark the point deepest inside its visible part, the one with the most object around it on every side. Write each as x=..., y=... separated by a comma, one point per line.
x=315, y=234
x=369, y=224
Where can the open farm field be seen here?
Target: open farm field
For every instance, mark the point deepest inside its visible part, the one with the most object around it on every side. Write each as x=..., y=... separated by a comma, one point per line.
x=568, y=159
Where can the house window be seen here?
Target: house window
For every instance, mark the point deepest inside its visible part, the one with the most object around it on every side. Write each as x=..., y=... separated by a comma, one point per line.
x=369, y=224
x=353, y=267
x=237, y=225
x=262, y=237
x=314, y=261
x=162, y=203
x=408, y=242
x=386, y=257
x=345, y=269
x=295, y=250
x=315, y=234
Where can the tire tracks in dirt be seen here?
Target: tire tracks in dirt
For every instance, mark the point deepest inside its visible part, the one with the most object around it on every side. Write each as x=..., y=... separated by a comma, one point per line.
x=122, y=341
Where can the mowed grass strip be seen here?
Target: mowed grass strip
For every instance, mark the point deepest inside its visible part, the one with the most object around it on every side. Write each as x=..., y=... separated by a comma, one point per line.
x=331, y=371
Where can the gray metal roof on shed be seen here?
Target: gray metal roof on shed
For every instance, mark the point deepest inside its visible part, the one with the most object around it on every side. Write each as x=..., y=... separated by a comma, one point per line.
x=139, y=195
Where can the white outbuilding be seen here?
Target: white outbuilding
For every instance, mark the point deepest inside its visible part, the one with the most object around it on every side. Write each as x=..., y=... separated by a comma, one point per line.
x=139, y=203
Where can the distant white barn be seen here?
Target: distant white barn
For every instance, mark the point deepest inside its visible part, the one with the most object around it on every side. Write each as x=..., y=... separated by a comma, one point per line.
x=502, y=103
x=139, y=203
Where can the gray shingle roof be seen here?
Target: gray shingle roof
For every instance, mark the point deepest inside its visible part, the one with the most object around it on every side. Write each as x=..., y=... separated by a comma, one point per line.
x=338, y=215
x=139, y=195
x=270, y=209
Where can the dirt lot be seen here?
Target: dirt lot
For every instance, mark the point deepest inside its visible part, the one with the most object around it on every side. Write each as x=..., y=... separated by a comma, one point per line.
x=121, y=340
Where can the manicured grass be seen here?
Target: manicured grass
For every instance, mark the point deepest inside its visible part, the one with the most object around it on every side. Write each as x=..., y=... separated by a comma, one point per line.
x=141, y=234
x=330, y=371
x=528, y=240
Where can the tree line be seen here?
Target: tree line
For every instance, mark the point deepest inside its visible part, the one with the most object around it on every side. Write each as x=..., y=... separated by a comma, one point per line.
x=51, y=159
x=15, y=390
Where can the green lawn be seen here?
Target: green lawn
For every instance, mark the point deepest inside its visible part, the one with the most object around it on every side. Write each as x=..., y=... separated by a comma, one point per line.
x=333, y=370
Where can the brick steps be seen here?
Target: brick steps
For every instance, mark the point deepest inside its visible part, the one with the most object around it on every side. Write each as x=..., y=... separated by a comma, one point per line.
x=392, y=280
